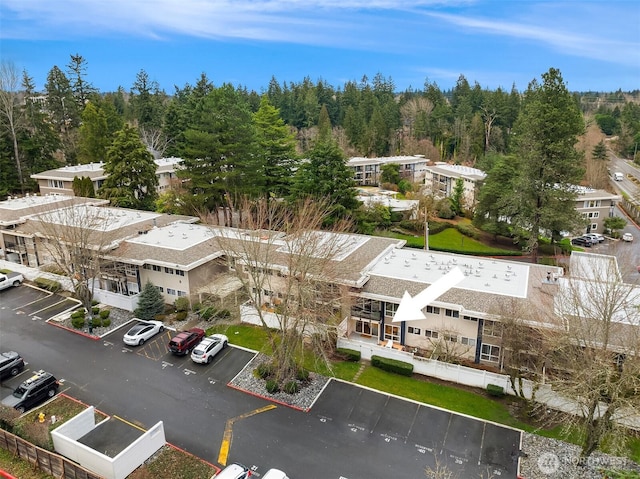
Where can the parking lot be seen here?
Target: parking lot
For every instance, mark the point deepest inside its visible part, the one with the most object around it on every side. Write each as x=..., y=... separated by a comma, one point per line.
x=353, y=432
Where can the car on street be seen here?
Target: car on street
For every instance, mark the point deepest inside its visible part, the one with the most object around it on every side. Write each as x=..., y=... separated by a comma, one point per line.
x=628, y=237
x=183, y=342
x=11, y=363
x=42, y=385
x=142, y=331
x=233, y=471
x=582, y=241
x=206, y=350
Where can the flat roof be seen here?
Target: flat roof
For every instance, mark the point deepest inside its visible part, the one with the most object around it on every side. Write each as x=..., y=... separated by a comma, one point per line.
x=33, y=201
x=100, y=218
x=485, y=275
x=177, y=236
x=458, y=170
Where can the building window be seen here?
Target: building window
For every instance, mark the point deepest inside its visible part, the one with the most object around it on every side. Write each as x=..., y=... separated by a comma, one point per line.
x=392, y=332
x=146, y=266
x=179, y=272
x=412, y=330
x=470, y=318
x=390, y=309
x=450, y=337
x=367, y=327
x=56, y=184
x=160, y=288
x=490, y=352
x=431, y=334
x=168, y=270
x=492, y=328
x=433, y=310
x=156, y=268
x=468, y=341
x=452, y=313
x=170, y=291
x=182, y=293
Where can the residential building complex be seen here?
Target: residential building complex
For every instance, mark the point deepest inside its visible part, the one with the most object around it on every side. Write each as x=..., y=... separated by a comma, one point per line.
x=367, y=171
x=595, y=206
x=440, y=181
x=60, y=180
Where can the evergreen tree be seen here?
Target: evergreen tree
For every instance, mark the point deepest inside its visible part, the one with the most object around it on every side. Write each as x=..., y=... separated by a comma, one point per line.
x=599, y=152
x=326, y=177
x=457, y=197
x=93, y=138
x=132, y=180
x=546, y=133
x=275, y=150
x=150, y=302
x=77, y=71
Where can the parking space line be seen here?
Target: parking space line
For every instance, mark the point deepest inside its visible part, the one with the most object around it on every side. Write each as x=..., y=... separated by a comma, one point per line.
x=227, y=436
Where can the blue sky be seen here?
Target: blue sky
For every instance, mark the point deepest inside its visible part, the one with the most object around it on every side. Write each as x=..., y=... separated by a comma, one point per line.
x=595, y=44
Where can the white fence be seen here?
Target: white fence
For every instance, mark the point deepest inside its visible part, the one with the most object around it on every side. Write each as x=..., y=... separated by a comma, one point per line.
x=65, y=442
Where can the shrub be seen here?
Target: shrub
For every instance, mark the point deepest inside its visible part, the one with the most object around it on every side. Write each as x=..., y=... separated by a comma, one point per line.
x=495, y=390
x=78, y=322
x=94, y=302
x=79, y=313
x=48, y=284
x=291, y=387
x=272, y=386
x=106, y=322
x=392, y=365
x=181, y=315
x=208, y=312
x=181, y=304
x=264, y=370
x=104, y=314
x=302, y=375
x=95, y=310
x=468, y=230
x=349, y=354
x=96, y=322
x=436, y=227
x=224, y=314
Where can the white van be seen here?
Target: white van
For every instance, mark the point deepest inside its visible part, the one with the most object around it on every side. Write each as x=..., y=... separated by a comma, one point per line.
x=618, y=176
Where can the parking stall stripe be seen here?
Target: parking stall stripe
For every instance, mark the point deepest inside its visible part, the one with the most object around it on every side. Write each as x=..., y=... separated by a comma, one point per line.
x=227, y=436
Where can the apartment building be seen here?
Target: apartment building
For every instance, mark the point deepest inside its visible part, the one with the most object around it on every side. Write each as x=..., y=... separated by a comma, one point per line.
x=60, y=180
x=440, y=181
x=367, y=171
x=595, y=206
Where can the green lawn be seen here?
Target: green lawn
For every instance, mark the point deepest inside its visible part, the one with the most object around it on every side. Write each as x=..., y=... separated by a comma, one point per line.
x=449, y=240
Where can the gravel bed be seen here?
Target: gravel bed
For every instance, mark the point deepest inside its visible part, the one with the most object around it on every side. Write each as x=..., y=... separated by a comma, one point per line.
x=245, y=380
x=545, y=458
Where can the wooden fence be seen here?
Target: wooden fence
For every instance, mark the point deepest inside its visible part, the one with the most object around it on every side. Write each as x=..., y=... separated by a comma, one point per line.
x=46, y=461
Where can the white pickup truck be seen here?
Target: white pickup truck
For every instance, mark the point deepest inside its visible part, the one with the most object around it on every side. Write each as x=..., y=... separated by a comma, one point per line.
x=10, y=279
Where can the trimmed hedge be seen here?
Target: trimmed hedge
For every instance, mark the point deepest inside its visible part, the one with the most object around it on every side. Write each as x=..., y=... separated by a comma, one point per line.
x=48, y=284
x=392, y=365
x=104, y=314
x=349, y=354
x=495, y=390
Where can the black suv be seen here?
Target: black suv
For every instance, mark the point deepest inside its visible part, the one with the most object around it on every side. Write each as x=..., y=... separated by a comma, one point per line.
x=582, y=241
x=33, y=391
x=11, y=363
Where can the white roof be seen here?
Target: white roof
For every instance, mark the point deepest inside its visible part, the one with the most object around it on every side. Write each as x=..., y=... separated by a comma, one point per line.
x=99, y=218
x=459, y=170
x=177, y=236
x=486, y=275
x=32, y=201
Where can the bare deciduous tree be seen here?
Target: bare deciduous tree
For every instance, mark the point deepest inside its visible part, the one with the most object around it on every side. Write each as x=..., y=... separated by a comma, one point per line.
x=74, y=241
x=594, y=350
x=11, y=111
x=289, y=268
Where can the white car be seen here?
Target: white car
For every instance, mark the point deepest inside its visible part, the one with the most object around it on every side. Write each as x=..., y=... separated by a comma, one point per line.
x=204, y=352
x=628, y=237
x=275, y=474
x=142, y=331
x=595, y=237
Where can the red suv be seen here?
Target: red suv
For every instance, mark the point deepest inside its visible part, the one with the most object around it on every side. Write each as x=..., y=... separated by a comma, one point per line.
x=183, y=342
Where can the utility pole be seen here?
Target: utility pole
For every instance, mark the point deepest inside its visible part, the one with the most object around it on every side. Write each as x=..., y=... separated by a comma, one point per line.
x=426, y=229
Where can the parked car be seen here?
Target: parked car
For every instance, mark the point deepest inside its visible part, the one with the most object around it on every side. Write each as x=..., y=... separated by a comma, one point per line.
x=628, y=237
x=594, y=237
x=142, y=331
x=233, y=471
x=11, y=363
x=42, y=385
x=275, y=474
x=582, y=241
x=208, y=348
x=185, y=341
x=10, y=279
